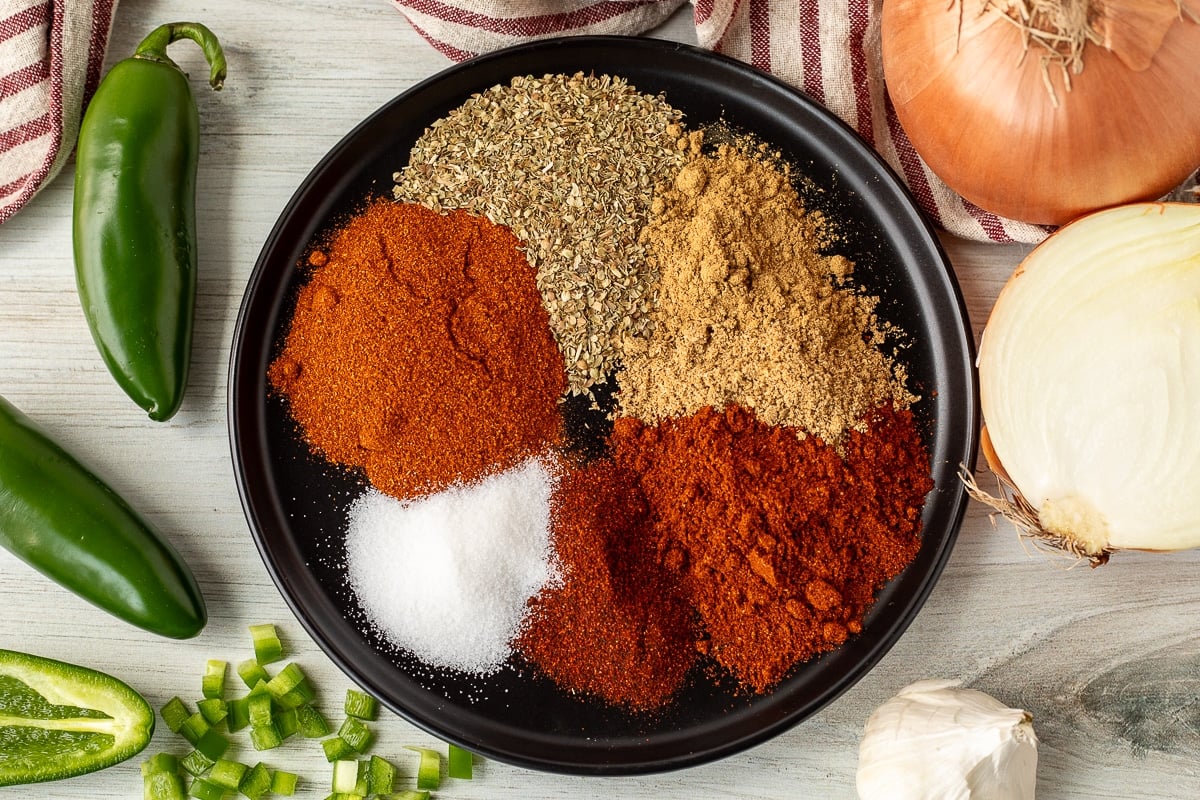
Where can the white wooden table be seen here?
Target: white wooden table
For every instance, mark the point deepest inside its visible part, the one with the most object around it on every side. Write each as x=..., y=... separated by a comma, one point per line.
x=1107, y=660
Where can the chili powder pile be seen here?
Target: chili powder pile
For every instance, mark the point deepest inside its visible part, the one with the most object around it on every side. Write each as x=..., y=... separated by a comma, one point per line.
x=419, y=350
x=777, y=542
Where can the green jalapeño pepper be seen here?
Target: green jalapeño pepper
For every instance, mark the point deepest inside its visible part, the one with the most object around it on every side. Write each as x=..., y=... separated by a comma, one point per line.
x=65, y=522
x=135, y=217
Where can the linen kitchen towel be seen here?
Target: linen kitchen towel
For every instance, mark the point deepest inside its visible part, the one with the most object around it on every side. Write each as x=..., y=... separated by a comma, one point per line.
x=51, y=56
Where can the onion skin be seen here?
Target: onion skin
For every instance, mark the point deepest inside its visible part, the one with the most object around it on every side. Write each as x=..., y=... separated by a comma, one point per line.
x=1089, y=378
x=985, y=122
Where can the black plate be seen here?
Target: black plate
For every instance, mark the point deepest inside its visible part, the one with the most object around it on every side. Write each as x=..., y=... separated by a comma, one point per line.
x=296, y=504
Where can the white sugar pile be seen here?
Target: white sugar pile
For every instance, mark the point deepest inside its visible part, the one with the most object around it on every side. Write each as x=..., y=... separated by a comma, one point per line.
x=447, y=576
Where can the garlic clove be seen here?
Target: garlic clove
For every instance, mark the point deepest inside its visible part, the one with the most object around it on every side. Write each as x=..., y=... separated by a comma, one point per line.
x=937, y=741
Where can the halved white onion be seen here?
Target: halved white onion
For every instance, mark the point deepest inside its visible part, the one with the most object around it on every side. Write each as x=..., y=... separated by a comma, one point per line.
x=1089, y=373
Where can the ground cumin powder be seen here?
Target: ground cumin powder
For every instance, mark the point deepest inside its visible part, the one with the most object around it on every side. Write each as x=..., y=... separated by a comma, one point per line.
x=749, y=311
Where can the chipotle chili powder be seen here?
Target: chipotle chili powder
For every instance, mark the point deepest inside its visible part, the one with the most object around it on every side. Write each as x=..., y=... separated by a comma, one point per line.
x=420, y=351
x=615, y=626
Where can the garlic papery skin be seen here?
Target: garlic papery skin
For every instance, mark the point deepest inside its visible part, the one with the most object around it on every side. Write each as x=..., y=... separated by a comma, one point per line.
x=937, y=741
x=1089, y=375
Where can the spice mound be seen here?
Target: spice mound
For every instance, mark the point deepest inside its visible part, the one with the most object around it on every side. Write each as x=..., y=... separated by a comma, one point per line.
x=615, y=625
x=778, y=543
x=483, y=550
x=751, y=311
x=419, y=351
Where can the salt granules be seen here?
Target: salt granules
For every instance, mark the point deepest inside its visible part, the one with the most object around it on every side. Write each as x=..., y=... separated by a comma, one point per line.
x=447, y=576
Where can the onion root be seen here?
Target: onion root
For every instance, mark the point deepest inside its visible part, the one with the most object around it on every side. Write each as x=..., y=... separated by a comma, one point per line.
x=1009, y=503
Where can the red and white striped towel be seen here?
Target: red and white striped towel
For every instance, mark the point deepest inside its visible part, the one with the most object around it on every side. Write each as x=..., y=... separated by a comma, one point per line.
x=51, y=54
x=827, y=48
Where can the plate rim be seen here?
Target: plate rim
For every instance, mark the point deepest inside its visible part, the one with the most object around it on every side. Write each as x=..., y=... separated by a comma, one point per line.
x=912, y=603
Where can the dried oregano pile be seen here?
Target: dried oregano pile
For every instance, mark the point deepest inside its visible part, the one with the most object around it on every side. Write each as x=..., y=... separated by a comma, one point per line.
x=698, y=277
x=569, y=163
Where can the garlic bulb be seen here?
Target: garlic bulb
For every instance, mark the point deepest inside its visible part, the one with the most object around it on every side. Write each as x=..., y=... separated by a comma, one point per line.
x=937, y=741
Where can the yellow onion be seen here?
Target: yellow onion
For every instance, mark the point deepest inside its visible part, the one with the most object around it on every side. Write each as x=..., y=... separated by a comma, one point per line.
x=1043, y=110
x=1089, y=377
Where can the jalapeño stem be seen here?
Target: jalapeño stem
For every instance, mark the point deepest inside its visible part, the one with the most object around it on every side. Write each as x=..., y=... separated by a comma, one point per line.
x=154, y=47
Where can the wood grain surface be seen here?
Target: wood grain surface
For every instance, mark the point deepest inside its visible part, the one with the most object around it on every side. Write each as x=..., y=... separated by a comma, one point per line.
x=1107, y=660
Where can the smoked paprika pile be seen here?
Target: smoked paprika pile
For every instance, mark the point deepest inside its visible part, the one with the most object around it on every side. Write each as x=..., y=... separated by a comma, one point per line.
x=419, y=350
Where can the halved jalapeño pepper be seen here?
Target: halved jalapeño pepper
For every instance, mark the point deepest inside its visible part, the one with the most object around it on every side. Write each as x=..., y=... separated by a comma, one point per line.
x=58, y=720
x=135, y=217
